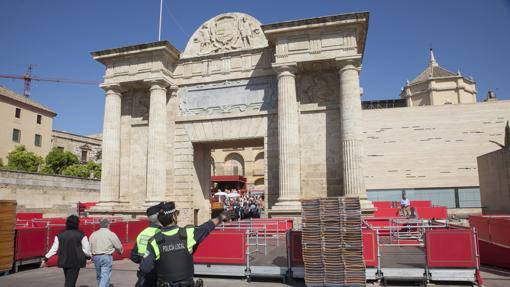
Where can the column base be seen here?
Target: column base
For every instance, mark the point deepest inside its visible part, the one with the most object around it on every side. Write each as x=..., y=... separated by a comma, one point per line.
x=112, y=208
x=367, y=208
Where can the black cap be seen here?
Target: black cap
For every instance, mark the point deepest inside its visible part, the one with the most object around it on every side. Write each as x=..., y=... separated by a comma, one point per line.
x=154, y=209
x=168, y=207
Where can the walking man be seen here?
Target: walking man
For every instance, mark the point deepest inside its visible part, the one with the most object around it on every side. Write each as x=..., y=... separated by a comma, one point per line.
x=149, y=279
x=103, y=243
x=73, y=250
x=170, y=251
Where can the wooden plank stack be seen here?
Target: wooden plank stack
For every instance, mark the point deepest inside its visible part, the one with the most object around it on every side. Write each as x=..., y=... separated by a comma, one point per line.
x=7, y=227
x=332, y=242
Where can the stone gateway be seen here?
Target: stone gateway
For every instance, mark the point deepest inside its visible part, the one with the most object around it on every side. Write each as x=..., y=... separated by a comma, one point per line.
x=291, y=87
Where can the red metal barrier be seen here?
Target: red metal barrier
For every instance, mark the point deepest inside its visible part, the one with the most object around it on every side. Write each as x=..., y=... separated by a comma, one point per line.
x=53, y=230
x=387, y=212
x=28, y=215
x=87, y=229
x=439, y=212
x=120, y=229
x=500, y=230
x=295, y=249
x=492, y=254
x=421, y=203
x=450, y=248
x=482, y=226
x=30, y=242
x=382, y=204
x=222, y=247
x=134, y=228
x=370, y=247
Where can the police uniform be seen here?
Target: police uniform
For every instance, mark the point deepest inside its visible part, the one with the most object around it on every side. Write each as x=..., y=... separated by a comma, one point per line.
x=142, y=240
x=170, y=253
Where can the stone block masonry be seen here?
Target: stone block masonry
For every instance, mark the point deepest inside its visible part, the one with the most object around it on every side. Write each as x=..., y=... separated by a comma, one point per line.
x=49, y=194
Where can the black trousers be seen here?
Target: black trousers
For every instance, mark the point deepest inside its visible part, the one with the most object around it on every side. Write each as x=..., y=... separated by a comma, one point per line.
x=71, y=275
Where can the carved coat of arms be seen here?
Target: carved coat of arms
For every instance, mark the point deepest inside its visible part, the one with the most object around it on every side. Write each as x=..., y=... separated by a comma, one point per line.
x=227, y=32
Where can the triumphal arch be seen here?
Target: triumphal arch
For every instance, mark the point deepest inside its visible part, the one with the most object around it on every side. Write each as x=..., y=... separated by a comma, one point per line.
x=291, y=87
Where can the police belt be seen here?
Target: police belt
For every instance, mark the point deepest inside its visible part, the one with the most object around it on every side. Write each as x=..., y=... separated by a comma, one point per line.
x=184, y=283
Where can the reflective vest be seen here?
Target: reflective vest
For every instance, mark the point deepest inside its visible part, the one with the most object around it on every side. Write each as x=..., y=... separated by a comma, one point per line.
x=173, y=250
x=143, y=238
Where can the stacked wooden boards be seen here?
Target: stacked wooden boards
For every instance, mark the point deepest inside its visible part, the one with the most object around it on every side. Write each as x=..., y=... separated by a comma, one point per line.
x=7, y=227
x=332, y=242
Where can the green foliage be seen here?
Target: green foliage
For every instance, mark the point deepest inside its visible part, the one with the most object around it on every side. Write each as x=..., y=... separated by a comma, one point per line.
x=99, y=155
x=21, y=159
x=58, y=160
x=83, y=170
x=1, y=162
x=506, y=142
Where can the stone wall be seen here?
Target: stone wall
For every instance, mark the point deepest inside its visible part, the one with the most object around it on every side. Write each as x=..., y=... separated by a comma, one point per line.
x=430, y=146
x=52, y=195
x=494, y=173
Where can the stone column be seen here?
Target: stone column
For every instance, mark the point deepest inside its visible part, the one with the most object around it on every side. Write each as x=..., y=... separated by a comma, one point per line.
x=156, y=147
x=351, y=132
x=110, y=174
x=288, y=138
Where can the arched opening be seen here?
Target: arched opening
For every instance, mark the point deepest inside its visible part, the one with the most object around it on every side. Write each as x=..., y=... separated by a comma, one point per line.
x=234, y=164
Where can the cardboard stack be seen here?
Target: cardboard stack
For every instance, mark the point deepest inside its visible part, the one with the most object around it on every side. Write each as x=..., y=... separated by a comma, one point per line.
x=7, y=227
x=332, y=242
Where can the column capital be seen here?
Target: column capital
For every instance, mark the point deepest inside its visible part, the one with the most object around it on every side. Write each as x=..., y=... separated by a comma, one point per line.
x=173, y=90
x=158, y=84
x=288, y=69
x=113, y=88
x=349, y=64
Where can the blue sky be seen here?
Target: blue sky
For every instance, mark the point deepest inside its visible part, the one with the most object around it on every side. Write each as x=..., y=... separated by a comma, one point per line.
x=58, y=36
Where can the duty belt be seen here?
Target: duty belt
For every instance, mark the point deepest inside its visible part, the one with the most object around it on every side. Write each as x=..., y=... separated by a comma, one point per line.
x=185, y=283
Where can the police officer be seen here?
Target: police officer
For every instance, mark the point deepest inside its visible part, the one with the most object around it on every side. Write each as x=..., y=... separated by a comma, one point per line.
x=170, y=251
x=149, y=279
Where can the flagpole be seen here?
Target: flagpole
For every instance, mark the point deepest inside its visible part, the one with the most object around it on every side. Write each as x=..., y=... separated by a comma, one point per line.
x=160, y=16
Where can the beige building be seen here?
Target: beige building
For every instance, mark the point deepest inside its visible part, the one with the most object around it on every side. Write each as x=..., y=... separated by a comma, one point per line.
x=86, y=148
x=244, y=161
x=438, y=86
x=24, y=121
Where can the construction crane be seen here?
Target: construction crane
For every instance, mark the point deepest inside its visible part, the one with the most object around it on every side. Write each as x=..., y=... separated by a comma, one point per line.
x=28, y=78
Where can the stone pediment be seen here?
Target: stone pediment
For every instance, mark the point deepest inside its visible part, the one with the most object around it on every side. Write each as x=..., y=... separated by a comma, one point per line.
x=225, y=33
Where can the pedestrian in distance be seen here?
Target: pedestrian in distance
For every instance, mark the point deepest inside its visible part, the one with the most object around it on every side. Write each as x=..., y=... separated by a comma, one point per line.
x=170, y=251
x=149, y=279
x=405, y=206
x=103, y=243
x=73, y=250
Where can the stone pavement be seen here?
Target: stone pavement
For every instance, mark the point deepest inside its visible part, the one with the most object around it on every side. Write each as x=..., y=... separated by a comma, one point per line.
x=124, y=275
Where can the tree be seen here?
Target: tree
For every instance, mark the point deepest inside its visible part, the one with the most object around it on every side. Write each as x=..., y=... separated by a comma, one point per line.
x=90, y=169
x=99, y=155
x=506, y=143
x=1, y=162
x=21, y=159
x=57, y=160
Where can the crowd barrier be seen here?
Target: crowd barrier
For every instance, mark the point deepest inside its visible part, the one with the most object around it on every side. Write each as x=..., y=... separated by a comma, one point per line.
x=494, y=238
x=35, y=235
x=423, y=212
x=222, y=247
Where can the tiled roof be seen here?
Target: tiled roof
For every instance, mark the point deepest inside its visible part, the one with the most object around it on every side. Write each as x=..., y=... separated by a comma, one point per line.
x=433, y=72
x=22, y=99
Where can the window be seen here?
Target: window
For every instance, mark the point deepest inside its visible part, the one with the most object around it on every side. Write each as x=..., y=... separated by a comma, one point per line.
x=60, y=147
x=37, y=141
x=39, y=119
x=84, y=156
x=16, y=135
x=18, y=113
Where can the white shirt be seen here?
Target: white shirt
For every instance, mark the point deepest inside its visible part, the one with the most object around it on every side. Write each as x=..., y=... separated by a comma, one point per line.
x=85, y=246
x=404, y=202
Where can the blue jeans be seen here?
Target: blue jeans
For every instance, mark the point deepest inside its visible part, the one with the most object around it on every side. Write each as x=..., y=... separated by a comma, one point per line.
x=103, y=265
